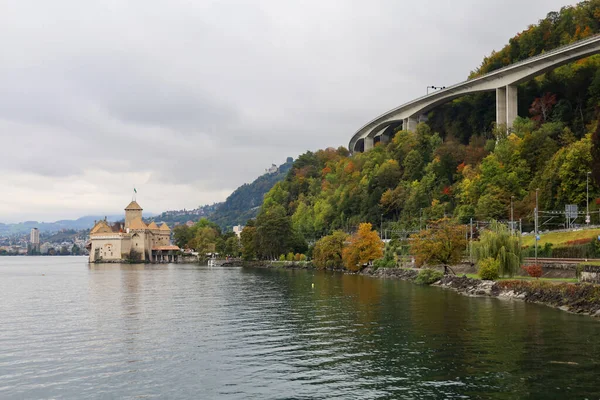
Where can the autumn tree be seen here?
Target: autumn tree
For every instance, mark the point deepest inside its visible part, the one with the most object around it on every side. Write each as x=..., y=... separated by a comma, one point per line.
x=363, y=247
x=542, y=107
x=442, y=243
x=327, y=252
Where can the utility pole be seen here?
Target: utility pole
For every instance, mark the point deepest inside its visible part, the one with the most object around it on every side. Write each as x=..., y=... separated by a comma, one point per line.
x=471, y=243
x=536, y=224
x=512, y=223
x=587, y=198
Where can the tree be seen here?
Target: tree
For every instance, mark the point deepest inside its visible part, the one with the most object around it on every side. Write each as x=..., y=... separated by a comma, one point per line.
x=363, y=247
x=232, y=246
x=327, y=252
x=75, y=250
x=205, y=240
x=542, y=107
x=182, y=235
x=64, y=251
x=499, y=243
x=443, y=243
x=273, y=232
x=248, y=241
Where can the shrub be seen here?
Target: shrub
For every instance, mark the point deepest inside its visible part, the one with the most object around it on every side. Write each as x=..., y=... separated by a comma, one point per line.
x=302, y=257
x=297, y=257
x=498, y=243
x=282, y=257
x=488, y=269
x=534, y=271
x=428, y=276
x=289, y=257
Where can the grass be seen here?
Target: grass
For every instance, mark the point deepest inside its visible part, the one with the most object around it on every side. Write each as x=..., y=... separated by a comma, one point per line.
x=594, y=263
x=528, y=278
x=561, y=238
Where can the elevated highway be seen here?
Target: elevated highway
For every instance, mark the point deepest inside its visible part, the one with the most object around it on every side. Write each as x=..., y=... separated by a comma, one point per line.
x=503, y=81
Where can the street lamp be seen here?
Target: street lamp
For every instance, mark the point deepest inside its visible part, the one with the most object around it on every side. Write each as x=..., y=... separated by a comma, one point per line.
x=435, y=88
x=587, y=198
x=512, y=224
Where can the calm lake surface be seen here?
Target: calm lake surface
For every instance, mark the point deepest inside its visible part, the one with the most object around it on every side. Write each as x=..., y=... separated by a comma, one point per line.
x=73, y=331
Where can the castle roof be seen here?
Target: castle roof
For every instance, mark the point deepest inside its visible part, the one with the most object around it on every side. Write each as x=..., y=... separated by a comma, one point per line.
x=133, y=206
x=101, y=227
x=137, y=224
x=164, y=227
x=152, y=225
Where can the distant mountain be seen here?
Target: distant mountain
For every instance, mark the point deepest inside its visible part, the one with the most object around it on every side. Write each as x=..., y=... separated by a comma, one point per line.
x=49, y=227
x=246, y=200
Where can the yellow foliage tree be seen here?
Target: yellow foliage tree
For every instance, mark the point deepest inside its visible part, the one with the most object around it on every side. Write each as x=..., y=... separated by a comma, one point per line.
x=363, y=247
x=443, y=243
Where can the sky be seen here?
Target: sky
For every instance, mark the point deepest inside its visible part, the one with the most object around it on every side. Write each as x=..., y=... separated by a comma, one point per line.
x=186, y=100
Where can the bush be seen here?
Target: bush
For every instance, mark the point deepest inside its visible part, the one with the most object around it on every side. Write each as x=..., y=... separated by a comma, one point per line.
x=289, y=257
x=534, y=271
x=282, y=257
x=488, y=269
x=428, y=276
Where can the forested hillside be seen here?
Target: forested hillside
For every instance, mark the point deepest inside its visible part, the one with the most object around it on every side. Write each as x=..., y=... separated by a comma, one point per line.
x=460, y=165
x=246, y=200
x=568, y=94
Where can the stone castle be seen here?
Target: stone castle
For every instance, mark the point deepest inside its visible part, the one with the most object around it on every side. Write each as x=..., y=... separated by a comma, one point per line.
x=132, y=240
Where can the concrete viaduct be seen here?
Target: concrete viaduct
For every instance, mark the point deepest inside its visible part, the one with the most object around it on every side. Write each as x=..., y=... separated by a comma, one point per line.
x=504, y=81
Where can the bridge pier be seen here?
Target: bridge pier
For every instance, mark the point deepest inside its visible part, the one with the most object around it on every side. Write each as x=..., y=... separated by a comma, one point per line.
x=506, y=105
x=511, y=105
x=410, y=124
x=368, y=143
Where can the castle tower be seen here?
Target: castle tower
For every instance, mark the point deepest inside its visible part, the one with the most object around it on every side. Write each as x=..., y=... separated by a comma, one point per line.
x=132, y=211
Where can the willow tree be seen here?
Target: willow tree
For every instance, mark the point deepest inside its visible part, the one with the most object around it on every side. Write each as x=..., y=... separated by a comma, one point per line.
x=497, y=242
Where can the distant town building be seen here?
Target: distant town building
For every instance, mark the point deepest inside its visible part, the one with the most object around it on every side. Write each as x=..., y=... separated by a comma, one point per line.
x=189, y=224
x=131, y=240
x=34, y=240
x=238, y=230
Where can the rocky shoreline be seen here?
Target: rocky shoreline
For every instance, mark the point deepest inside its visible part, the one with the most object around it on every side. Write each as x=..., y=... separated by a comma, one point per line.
x=577, y=298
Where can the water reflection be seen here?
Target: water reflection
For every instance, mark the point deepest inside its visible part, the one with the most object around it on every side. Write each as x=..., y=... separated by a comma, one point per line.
x=184, y=331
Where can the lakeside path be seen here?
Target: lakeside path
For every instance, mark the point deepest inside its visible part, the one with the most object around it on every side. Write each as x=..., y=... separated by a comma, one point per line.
x=577, y=298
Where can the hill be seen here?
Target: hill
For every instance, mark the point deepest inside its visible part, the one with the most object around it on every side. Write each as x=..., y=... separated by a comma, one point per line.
x=244, y=203
x=460, y=165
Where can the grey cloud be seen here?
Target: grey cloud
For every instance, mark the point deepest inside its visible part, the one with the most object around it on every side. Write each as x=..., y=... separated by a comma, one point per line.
x=196, y=98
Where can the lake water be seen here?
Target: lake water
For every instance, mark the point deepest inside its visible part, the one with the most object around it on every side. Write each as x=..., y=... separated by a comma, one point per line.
x=73, y=331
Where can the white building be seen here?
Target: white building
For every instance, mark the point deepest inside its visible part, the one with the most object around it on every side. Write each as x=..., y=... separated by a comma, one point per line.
x=238, y=230
x=34, y=239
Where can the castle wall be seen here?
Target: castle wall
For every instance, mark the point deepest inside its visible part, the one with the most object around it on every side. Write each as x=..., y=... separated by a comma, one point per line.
x=106, y=248
x=138, y=243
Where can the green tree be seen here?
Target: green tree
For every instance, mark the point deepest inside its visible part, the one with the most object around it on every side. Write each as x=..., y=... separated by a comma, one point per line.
x=500, y=244
x=273, y=232
x=248, y=241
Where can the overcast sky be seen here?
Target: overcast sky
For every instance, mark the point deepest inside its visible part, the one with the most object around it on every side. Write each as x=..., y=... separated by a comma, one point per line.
x=187, y=100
